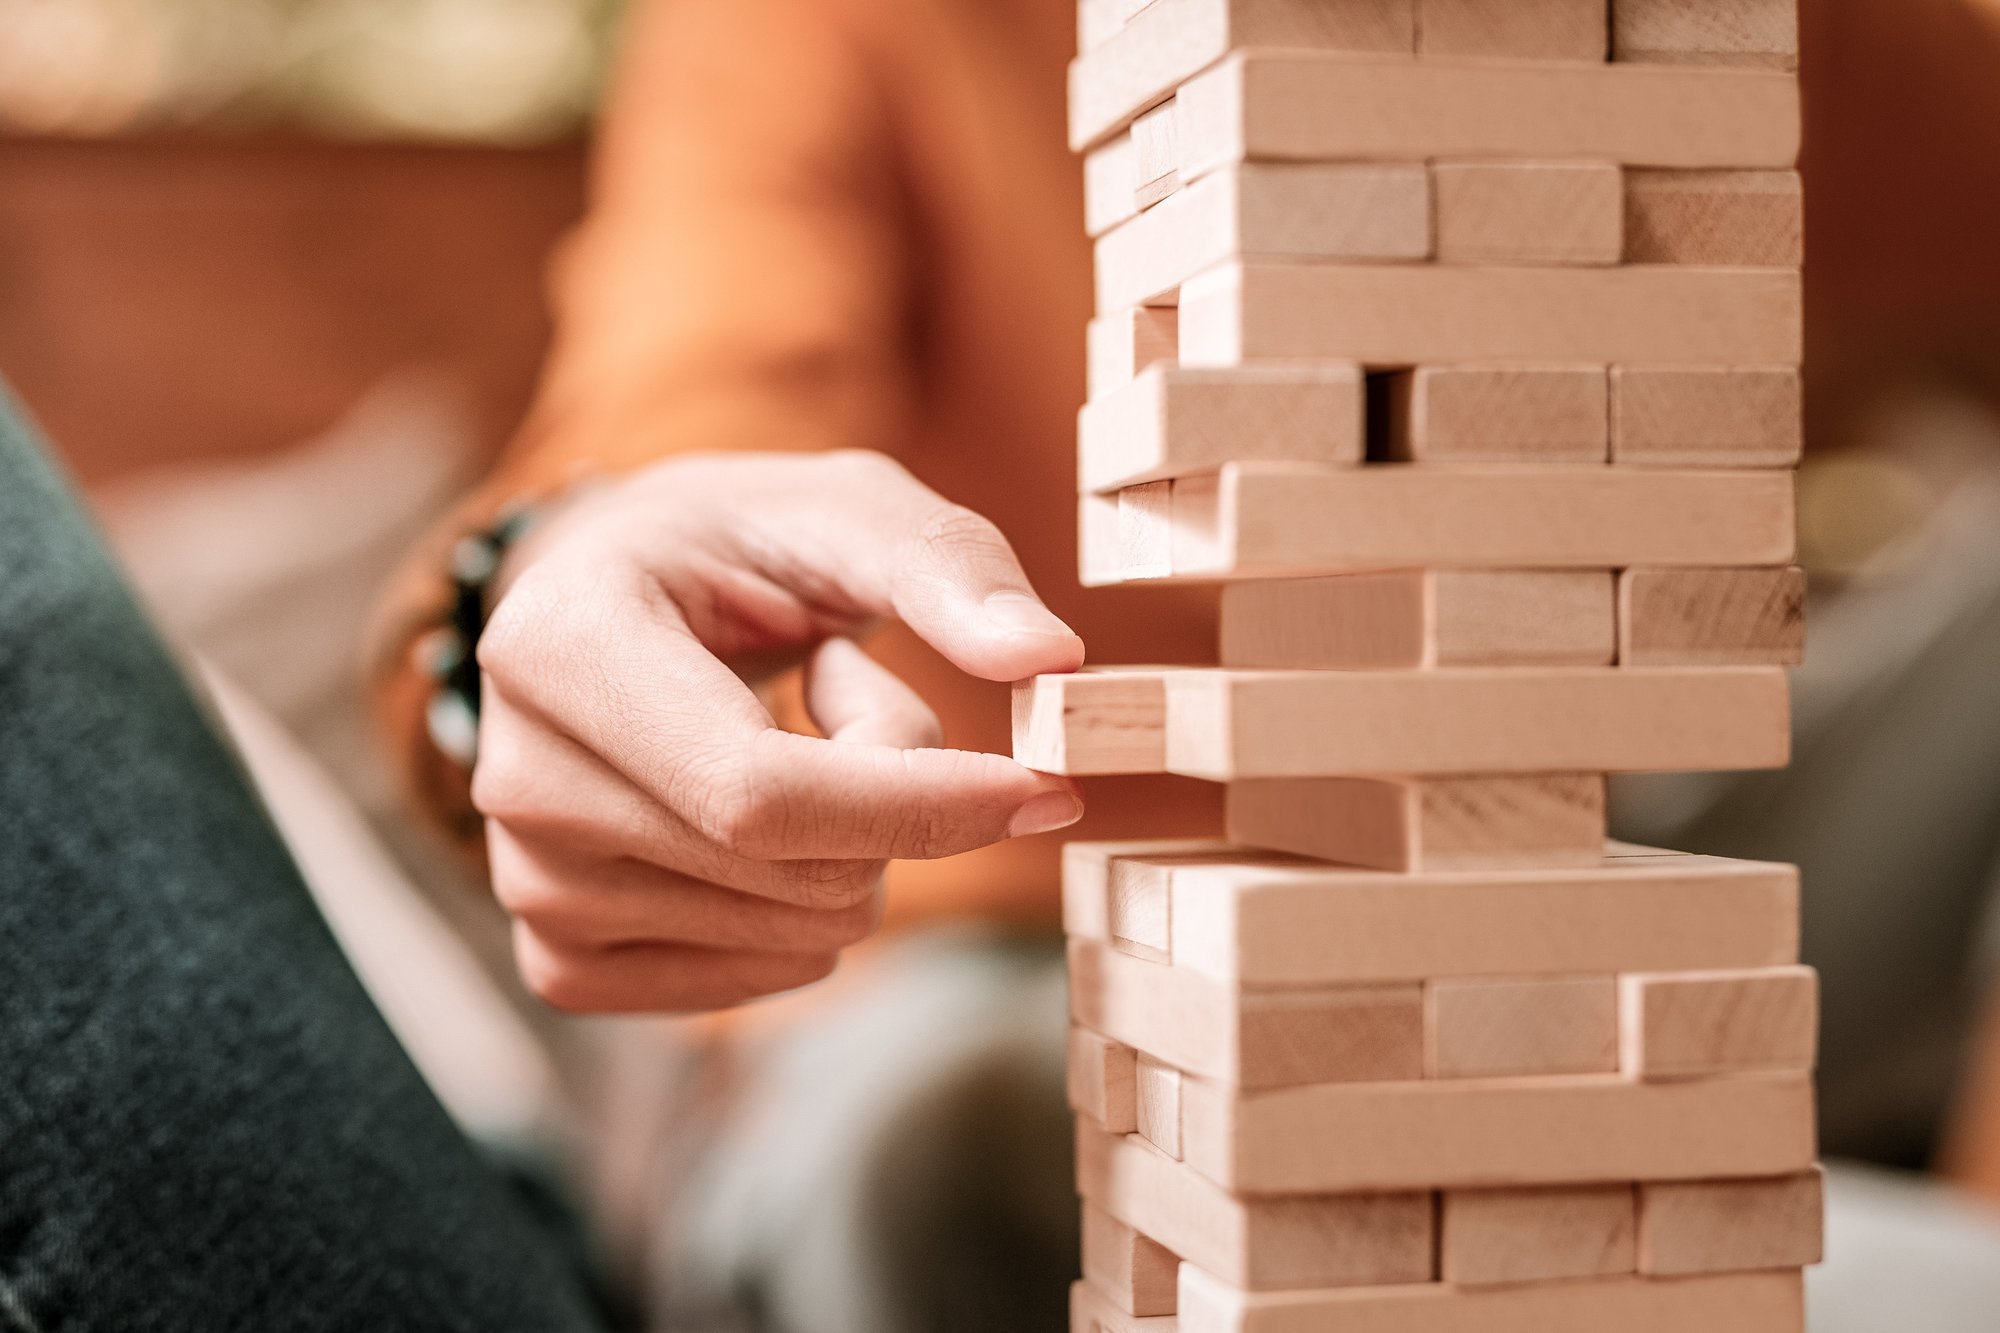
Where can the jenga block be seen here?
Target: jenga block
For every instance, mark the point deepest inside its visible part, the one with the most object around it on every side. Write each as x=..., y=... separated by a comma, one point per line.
x=1125, y=342
x=1093, y=1311
x=1306, y=210
x=1729, y=1303
x=1137, y=1273
x=1692, y=1024
x=1225, y=725
x=1413, y=314
x=1111, y=184
x=1531, y=29
x=1535, y=1235
x=1706, y=417
x=1415, y=618
x=1169, y=40
x=1160, y=1106
x=1425, y=823
x=1529, y=212
x=1714, y=217
x=1158, y=149
x=1496, y=414
x=1139, y=899
x=1713, y=616
x=1091, y=722
x=1763, y=33
x=1171, y=422
x=1261, y=1244
x=1297, y=106
x=1276, y=520
x=1103, y=1081
x=1267, y=921
x=1145, y=527
x=1714, y=1226
x=1478, y=1028
x=1191, y=1022
x=1087, y=877
x=1446, y=1133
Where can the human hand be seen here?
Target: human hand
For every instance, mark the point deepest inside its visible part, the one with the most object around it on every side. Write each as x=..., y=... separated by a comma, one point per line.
x=660, y=842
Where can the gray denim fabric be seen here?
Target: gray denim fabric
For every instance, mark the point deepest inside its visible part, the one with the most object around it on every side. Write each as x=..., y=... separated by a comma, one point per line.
x=204, y=1124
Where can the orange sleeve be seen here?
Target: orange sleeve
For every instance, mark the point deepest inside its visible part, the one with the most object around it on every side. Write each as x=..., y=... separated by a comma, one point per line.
x=739, y=282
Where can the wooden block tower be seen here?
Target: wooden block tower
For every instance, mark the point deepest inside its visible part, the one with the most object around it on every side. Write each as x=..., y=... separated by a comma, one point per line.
x=1459, y=340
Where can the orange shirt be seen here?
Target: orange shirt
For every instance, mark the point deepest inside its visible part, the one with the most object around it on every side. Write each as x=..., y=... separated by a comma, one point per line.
x=841, y=223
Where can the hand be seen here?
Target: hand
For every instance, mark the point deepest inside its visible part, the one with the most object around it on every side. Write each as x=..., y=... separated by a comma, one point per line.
x=661, y=844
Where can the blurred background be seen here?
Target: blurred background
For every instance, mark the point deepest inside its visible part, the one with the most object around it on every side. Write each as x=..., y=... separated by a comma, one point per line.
x=271, y=276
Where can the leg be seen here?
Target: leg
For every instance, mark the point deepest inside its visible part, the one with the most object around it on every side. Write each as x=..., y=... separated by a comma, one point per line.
x=203, y=1122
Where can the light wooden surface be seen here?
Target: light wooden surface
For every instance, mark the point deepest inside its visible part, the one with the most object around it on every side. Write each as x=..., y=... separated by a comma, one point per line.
x=1171, y=422
x=1711, y=416
x=1497, y=414
x=1672, y=617
x=1708, y=1226
x=1506, y=1027
x=1694, y=1024
x=1536, y=1234
x=1138, y=1274
x=1529, y=212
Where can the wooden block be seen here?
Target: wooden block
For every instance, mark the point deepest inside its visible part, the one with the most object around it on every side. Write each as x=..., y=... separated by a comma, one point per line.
x=1146, y=528
x=1479, y=1028
x=1139, y=899
x=1093, y=1311
x=1264, y=921
x=1299, y=210
x=1097, y=20
x=1694, y=1024
x=1160, y=1106
x=1714, y=1226
x=1111, y=184
x=1226, y=725
x=1136, y=1273
x=1415, y=618
x=1170, y=422
x=1091, y=722
x=1192, y=1023
x=1412, y=314
x=1731, y=1303
x=1425, y=823
x=1103, y=1081
x=1125, y=342
x=1487, y=1237
x=1302, y=106
x=1158, y=149
x=1762, y=33
x=1474, y=1133
x=1086, y=870
x=1167, y=41
x=1276, y=520
x=1529, y=212
x=1706, y=416
x=1720, y=218
x=1496, y=414
x=1712, y=616
x=1531, y=29
x=1340, y=1240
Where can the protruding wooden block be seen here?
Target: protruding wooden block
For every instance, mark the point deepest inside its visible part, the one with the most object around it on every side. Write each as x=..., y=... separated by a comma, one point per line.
x=1103, y=1081
x=1692, y=1024
x=1722, y=218
x=1302, y=210
x=1145, y=528
x=1121, y=344
x=1714, y=1226
x=1138, y=1274
x=1323, y=107
x=1169, y=40
x=1257, y=1244
x=1712, y=616
x=1086, y=870
x=1093, y=1311
x=1763, y=33
x=1091, y=722
x=1141, y=905
x=1476, y=1133
x=1486, y=1237
x=1194, y=1024
x=1160, y=1106
x=1170, y=422
x=1110, y=184
x=1706, y=416
x=1529, y=29
x=1730, y=1303
x=1425, y=823
x=1265, y=921
x=1158, y=151
x=1416, y=314
x=1529, y=212
x=1481, y=1028
x=1496, y=414
x=1226, y=725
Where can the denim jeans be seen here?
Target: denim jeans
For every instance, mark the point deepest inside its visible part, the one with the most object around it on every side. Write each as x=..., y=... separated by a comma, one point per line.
x=204, y=1124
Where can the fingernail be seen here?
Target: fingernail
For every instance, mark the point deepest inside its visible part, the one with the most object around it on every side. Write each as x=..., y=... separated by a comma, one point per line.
x=1020, y=613
x=1050, y=810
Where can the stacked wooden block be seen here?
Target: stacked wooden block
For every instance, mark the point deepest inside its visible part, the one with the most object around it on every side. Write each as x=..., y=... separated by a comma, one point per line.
x=1460, y=340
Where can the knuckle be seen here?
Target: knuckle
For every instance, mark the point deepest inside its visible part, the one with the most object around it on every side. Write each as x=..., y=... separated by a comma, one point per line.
x=837, y=886
x=500, y=790
x=555, y=978
x=742, y=821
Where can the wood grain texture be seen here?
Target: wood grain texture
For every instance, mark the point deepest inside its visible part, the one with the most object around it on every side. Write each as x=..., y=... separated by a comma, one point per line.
x=1717, y=218
x=1092, y=1310
x=1712, y=616
x=1713, y=1226
x=1699, y=1024
x=1138, y=1274
x=1529, y=29
x=1706, y=416
x=1496, y=414
x=1529, y=212
x=1091, y=722
x=1120, y=345
x=1103, y=1081
x=1171, y=422
x=1486, y=1237
x=1758, y=33
x=1504, y=1027
x=1159, y=1115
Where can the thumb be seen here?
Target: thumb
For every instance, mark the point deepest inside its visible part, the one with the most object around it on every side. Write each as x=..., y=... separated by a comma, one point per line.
x=960, y=586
